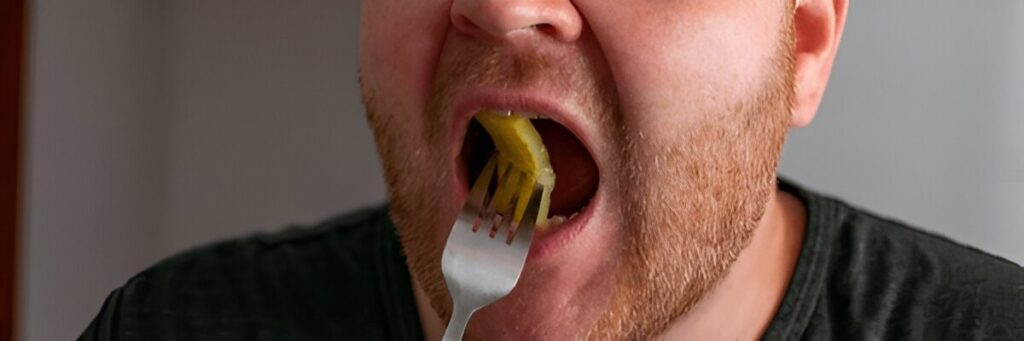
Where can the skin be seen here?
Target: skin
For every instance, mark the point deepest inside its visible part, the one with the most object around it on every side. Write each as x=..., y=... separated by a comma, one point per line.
x=684, y=106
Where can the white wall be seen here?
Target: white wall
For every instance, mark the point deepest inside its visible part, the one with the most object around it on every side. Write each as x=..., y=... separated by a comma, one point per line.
x=923, y=119
x=266, y=126
x=94, y=162
x=158, y=125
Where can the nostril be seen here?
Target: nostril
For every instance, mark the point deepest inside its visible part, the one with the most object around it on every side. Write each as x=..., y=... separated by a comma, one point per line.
x=545, y=29
x=491, y=19
x=468, y=26
x=464, y=24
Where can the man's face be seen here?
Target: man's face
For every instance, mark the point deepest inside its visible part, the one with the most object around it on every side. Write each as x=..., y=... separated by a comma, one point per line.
x=666, y=122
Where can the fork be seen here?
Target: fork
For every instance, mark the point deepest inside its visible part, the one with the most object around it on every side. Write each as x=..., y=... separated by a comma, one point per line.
x=479, y=268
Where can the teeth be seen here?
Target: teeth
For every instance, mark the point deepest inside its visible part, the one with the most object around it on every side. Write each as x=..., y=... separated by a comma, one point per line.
x=561, y=219
x=529, y=115
x=555, y=221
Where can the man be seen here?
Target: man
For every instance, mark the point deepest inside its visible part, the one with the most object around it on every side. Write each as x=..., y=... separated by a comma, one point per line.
x=664, y=121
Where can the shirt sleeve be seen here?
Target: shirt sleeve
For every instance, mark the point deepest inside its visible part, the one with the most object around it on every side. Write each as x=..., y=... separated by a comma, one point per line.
x=104, y=326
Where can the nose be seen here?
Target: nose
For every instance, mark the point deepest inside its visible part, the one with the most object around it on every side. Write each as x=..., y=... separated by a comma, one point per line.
x=499, y=19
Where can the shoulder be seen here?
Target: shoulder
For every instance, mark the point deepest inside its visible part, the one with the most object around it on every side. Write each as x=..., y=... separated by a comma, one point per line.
x=301, y=280
x=901, y=282
x=871, y=242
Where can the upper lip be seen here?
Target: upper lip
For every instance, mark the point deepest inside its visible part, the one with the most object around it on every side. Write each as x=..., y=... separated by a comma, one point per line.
x=470, y=103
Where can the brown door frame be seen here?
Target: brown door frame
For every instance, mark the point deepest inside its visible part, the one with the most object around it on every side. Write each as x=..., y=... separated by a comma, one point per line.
x=12, y=66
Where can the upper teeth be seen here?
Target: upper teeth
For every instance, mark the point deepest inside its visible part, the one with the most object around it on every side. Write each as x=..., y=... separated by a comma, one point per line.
x=529, y=115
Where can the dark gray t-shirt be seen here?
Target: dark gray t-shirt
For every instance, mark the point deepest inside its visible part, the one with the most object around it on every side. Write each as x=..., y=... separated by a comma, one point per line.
x=859, y=277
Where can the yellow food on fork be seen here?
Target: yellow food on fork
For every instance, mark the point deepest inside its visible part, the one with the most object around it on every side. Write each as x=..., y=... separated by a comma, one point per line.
x=519, y=146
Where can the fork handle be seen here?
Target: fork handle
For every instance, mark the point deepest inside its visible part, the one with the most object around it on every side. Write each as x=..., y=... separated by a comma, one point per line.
x=457, y=324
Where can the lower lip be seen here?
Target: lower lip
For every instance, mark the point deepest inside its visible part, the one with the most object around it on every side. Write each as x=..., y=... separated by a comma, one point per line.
x=551, y=240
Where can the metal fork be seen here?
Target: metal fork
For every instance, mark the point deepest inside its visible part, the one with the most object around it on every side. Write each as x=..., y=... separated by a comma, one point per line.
x=479, y=268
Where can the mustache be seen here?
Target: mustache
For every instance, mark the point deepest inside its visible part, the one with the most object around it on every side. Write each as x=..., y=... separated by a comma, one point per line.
x=497, y=66
x=570, y=73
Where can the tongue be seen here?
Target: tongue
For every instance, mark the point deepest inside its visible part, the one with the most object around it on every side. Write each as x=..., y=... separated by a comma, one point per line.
x=575, y=170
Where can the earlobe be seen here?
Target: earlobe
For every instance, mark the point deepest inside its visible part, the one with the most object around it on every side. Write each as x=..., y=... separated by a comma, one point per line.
x=818, y=27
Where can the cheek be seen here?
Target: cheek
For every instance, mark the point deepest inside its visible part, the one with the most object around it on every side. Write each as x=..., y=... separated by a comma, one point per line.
x=676, y=60
x=399, y=46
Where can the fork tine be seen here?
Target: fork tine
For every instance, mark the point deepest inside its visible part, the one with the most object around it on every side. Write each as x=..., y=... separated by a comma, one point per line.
x=530, y=215
x=509, y=223
x=489, y=214
x=486, y=218
x=499, y=221
x=478, y=199
x=508, y=177
x=479, y=191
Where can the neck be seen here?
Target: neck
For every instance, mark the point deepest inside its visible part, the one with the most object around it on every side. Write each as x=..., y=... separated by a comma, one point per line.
x=743, y=304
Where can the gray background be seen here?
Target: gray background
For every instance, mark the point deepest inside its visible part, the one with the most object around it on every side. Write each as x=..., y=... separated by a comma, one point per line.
x=158, y=125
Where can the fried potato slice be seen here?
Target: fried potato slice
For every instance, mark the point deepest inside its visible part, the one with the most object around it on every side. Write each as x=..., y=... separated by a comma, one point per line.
x=519, y=146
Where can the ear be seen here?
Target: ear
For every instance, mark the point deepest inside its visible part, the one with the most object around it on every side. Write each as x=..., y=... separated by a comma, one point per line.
x=818, y=26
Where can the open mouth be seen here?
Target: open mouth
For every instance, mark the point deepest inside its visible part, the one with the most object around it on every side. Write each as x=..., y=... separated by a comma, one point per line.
x=576, y=173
